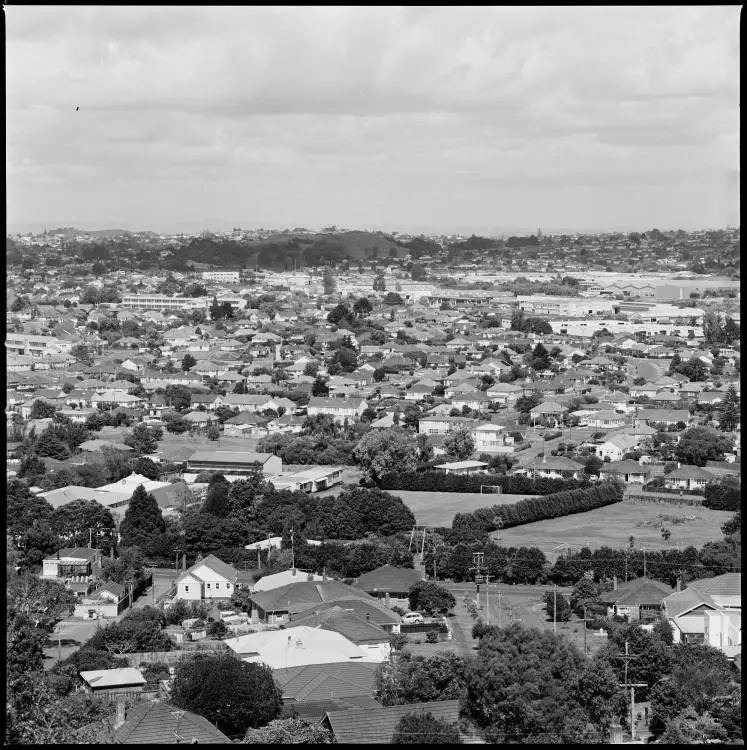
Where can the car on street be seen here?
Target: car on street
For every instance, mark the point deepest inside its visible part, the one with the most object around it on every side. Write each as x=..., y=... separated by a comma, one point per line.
x=412, y=618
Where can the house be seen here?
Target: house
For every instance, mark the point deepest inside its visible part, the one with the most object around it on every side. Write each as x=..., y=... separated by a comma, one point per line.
x=688, y=478
x=441, y=425
x=605, y=420
x=555, y=467
x=285, y=577
x=664, y=416
x=338, y=408
x=389, y=583
x=314, y=683
x=489, y=438
x=156, y=723
x=368, y=636
x=629, y=471
x=109, y=683
x=462, y=467
x=616, y=446
x=276, y=606
x=297, y=646
x=209, y=578
x=66, y=563
x=638, y=600
x=312, y=479
x=708, y=611
x=373, y=726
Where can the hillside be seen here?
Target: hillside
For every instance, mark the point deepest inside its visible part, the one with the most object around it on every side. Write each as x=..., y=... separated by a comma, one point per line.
x=288, y=250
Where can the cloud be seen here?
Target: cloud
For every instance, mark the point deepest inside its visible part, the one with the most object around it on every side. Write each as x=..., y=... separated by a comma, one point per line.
x=333, y=100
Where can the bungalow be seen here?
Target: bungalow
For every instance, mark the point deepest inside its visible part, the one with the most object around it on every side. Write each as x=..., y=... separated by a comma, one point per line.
x=664, y=416
x=67, y=563
x=389, y=583
x=209, y=578
x=629, y=471
x=441, y=425
x=297, y=647
x=339, y=408
x=374, y=726
x=708, y=611
x=638, y=600
x=313, y=479
x=607, y=420
x=617, y=446
x=688, y=478
x=547, y=410
x=555, y=467
x=475, y=400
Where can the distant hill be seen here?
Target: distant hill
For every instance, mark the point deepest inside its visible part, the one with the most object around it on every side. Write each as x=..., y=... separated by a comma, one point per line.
x=284, y=251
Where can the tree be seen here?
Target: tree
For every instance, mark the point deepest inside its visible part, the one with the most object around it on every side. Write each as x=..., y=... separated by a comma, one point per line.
x=41, y=409
x=81, y=521
x=362, y=307
x=382, y=452
x=597, y=691
x=691, y=728
x=213, y=433
x=144, y=439
x=49, y=445
x=379, y=284
x=146, y=468
x=329, y=283
x=425, y=729
x=519, y=685
x=700, y=444
x=730, y=413
x=188, y=362
x=340, y=314
x=232, y=694
x=459, y=444
x=216, y=502
x=319, y=387
x=143, y=522
x=177, y=396
x=293, y=730
x=563, y=611
x=23, y=508
x=392, y=299
x=405, y=679
x=539, y=359
x=430, y=598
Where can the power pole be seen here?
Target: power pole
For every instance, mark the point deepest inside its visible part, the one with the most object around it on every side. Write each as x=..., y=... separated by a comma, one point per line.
x=554, y=609
x=632, y=685
x=586, y=649
x=644, y=562
x=477, y=559
x=487, y=597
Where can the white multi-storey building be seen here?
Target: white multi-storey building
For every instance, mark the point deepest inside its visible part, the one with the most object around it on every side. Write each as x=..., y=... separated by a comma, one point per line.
x=228, y=277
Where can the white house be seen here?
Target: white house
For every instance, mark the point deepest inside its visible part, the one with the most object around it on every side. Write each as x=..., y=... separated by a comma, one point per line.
x=209, y=578
x=338, y=408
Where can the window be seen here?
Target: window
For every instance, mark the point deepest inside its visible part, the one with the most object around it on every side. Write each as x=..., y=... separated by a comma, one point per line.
x=186, y=589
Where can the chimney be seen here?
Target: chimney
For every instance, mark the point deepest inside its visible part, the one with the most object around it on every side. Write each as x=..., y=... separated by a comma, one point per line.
x=678, y=585
x=614, y=583
x=368, y=616
x=121, y=714
x=616, y=734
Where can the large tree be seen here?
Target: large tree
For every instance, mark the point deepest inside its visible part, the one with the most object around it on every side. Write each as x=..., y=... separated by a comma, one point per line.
x=430, y=598
x=234, y=695
x=82, y=521
x=143, y=522
x=459, y=444
x=700, y=444
x=216, y=502
x=144, y=439
x=382, y=452
x=730, y=413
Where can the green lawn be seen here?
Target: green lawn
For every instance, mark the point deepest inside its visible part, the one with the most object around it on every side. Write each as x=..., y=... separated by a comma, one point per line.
x=439, y=508
x=614, y=524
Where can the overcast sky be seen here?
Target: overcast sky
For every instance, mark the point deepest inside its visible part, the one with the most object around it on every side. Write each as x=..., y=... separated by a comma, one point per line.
x=395, y=118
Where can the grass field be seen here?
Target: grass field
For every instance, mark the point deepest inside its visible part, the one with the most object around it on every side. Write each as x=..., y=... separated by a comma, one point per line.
x=439, y=508
x=614, y=524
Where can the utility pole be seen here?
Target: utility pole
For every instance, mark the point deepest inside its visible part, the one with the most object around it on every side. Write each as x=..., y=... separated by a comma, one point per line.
x=632, y=685
x=293, y=552
x=644, y=562
x=586, y=649
x=487, y=597
x=477, y=559
x=554, y=609
x=59, y=643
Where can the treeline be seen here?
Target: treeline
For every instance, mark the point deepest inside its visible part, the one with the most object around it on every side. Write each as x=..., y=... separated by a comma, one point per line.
x=533, y=509
x=722, y=497
x=510, y=484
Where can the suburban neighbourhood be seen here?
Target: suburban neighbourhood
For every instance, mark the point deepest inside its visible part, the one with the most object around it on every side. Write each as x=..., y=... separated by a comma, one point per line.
x=373, y=375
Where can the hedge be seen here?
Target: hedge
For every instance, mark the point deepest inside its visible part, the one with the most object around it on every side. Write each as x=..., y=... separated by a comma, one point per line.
x=541, y=508
x=510, y=484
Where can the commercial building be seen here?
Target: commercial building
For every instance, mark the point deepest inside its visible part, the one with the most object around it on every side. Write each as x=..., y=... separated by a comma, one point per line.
x=234, y=462
x=229, y=277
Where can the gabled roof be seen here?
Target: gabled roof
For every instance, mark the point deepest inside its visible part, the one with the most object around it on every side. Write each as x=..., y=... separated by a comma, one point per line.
x=296, y=597
x=354, y=628
x=388, y=578
x=215, y=564
x=324, y=681
x=640, y=591
x=153, y=723
x=368, y=726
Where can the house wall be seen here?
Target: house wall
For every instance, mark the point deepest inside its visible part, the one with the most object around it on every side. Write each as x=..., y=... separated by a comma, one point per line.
x=189, y=589
x=214, y=585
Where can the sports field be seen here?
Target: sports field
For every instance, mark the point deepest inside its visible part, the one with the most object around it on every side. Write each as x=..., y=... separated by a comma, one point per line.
x=439, y=508
x=613, y=525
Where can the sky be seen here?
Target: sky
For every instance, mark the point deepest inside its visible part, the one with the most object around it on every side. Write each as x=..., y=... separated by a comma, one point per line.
x=434, y=119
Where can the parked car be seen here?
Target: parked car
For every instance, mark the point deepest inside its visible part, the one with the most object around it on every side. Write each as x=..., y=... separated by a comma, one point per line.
x=412, y=618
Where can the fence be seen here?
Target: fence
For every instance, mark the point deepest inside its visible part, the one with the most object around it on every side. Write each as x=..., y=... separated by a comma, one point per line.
x=171, y=657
